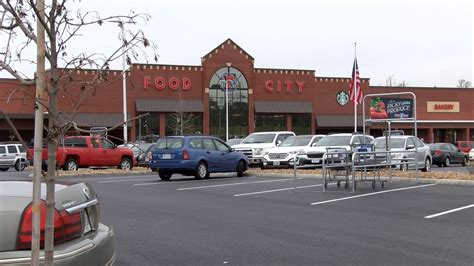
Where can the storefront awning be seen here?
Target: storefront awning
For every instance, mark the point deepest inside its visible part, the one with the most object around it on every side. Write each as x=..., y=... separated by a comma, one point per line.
x=283, y=107
x=337, y=120
x=168, y=106
x=98, y=119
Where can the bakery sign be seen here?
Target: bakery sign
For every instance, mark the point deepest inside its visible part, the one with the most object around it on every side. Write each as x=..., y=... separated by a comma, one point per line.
x=443, y=107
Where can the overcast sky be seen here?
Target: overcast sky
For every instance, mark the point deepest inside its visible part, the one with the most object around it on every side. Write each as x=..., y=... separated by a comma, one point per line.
x=425, y=43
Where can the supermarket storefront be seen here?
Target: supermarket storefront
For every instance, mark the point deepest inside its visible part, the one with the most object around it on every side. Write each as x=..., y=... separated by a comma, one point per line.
x=191, y=99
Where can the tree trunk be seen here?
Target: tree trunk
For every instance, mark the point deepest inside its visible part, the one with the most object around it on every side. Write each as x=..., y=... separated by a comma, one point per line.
x=54, y=133
x=38, y=137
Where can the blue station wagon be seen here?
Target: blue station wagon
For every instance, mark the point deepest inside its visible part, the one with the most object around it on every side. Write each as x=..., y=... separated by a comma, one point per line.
x=195, y=155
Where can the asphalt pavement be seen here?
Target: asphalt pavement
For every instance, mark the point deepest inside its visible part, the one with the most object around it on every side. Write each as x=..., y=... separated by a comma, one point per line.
x=264, y=221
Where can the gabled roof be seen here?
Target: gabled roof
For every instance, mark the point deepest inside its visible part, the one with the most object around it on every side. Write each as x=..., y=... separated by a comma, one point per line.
x=228, y=41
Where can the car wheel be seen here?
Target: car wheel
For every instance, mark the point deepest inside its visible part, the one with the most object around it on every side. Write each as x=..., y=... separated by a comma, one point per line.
x=447, y=162
x=125, y=164
x=427, y=165
x=201, y=171
x=3, y=169
x=240, y=169
x=465, y=161
x=70, y=165
x=20, y=166
x=164, y=175
x=404, y=166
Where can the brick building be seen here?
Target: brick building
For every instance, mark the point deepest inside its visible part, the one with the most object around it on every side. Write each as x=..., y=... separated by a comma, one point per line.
x=190, y=99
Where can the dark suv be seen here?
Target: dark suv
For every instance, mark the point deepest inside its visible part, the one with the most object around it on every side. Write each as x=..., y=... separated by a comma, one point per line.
x=195, y=155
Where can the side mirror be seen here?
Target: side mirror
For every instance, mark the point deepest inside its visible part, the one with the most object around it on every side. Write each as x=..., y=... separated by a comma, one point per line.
x=278, y=142
x=410, y=147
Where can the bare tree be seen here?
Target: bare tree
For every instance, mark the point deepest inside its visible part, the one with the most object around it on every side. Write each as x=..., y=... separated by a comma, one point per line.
x=62, y=26
x=462, y=83
x=181, y=122
x=392, y=82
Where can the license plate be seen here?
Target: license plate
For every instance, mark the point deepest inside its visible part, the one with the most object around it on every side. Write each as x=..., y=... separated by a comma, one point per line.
x=166, y=156
x=315, y=161
x=276, y=163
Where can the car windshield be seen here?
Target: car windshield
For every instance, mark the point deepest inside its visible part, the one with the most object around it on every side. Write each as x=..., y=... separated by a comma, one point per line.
x=170, y=143
x=296, y=141
x=259, y=138
x=334, y=141
x=434, y=146
x=396, y=143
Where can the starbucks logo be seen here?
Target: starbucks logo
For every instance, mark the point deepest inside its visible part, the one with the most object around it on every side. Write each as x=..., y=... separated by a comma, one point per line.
x=342, y=98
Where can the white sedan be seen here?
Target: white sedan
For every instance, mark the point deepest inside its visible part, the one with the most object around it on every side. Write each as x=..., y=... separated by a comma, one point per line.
x=283, y=155
x=471, y=155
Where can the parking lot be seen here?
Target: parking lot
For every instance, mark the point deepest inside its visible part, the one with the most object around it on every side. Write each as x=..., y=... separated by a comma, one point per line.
x=262, y=220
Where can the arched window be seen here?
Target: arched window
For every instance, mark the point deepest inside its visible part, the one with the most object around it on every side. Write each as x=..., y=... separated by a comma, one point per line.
x=237, y=87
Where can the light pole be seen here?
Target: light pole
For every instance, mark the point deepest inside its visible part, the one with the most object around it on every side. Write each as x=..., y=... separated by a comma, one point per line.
x=227, y=87
x=124, y=87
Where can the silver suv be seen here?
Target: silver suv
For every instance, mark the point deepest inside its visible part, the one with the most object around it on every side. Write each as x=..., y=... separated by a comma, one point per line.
x=12, y=155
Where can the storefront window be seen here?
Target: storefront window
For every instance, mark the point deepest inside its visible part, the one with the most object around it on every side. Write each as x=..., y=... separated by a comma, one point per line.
x=270, y=122
x=183, y=123
x=148, y=126
x=301, y=124
x=237, y=103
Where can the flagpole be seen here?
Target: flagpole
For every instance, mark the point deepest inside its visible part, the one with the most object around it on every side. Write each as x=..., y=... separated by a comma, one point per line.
x=354, y=87
x=227, y=87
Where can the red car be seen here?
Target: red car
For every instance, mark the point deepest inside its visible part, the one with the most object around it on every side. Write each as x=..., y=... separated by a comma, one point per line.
x=464, y=146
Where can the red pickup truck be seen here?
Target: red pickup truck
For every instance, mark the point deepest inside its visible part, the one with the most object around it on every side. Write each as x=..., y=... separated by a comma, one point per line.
x=87, y=151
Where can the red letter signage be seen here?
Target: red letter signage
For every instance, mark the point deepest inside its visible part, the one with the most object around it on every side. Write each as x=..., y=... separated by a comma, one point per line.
x=287, y=86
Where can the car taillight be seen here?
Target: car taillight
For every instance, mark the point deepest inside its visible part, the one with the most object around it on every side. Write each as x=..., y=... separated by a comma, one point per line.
x=66, y=226
x=185, y=155
x=437, y=152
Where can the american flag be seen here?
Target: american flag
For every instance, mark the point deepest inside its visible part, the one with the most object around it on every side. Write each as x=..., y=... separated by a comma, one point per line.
x=356, y=96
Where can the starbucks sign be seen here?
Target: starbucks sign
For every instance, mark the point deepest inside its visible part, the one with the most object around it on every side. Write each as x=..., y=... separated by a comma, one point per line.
x=342, y=98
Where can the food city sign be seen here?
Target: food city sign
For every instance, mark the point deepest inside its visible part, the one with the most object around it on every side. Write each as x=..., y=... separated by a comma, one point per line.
x=443, y=107
x=173, y=83
x=278, y=86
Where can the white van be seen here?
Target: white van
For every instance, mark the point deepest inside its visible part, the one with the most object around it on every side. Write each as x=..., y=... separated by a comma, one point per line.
x=255, y=144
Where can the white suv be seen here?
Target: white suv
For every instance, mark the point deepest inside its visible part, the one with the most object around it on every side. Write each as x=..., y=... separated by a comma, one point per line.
x=12, y=155
x=341, y=142
x=255, y=144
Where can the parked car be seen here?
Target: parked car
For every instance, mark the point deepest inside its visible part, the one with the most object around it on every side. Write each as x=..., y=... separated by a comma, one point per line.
x=232, y=142
x=79, y=237
x=195, y=155
x=471, y=155
x=340, y=142
x=255, y=144
x=12, y=155
x=446, y=154
x=464, y=146
x=137, y=148
x=406, y=149
x=87, y=151
x=284, y=154
x=144, y=158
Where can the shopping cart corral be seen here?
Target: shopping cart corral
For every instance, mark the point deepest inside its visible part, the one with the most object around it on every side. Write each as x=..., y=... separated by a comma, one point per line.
x=357, y=166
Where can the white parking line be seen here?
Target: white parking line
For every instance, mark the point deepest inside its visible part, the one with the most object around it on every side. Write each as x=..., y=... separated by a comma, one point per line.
x=235, y=184
x=277, y=190
x=450, y=211
x=370, y=194
x=187, y=181
x=127, y=180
